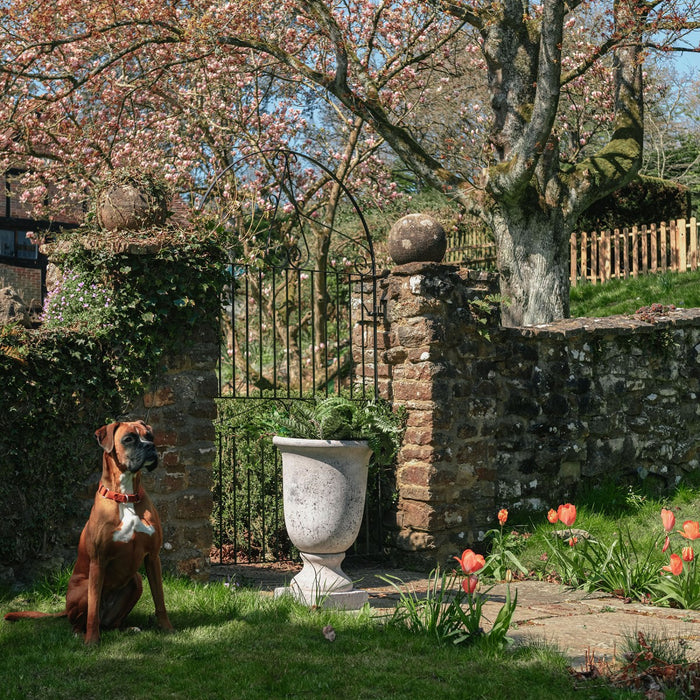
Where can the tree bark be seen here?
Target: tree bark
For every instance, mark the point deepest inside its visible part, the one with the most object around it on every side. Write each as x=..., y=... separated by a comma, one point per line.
x=533, y=262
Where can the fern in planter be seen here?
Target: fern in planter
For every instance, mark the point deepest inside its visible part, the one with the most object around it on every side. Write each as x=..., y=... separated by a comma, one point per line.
x=340, y=418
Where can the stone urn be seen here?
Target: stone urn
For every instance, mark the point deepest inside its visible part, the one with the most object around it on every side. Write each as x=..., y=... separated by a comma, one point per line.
x=324, y=483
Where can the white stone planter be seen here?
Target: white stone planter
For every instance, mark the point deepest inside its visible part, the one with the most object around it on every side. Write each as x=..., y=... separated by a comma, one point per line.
x=324, y=483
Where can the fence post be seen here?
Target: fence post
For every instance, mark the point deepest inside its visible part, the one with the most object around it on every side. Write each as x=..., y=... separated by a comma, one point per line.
x=572, y=260
x=654, y=248
x=664, y=253
x=606, y=255
x=635, y=252
x=594, y=258
x=682, y=250
x=693, y=235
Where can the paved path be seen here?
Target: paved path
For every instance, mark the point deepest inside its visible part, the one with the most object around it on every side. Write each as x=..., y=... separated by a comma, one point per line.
x=578, y=624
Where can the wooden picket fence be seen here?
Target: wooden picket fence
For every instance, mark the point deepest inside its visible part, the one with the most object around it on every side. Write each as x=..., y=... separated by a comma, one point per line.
x=471, y=248
x=605, y=255
x=601, y=256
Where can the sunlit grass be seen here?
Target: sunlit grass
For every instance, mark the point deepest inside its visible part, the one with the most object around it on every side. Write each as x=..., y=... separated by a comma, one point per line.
x=626, y=296
x=613, y=509
x=240, y=643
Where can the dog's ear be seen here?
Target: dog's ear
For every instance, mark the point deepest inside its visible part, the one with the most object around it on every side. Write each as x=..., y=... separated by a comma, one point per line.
x=105, y=436
x=145, y=425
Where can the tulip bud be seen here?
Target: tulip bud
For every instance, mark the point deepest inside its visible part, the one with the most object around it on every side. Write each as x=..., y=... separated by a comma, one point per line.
x=668, y=519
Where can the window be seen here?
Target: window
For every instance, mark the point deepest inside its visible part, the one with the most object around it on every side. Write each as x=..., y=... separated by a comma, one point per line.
x=15, y=244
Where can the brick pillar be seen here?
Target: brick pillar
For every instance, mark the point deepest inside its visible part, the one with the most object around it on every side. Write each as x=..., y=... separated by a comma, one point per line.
x=430, y=330
x=181, y=410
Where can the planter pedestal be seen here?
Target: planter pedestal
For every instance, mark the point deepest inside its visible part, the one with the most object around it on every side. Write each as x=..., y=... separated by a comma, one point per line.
x=324, y=484
x=324, y=584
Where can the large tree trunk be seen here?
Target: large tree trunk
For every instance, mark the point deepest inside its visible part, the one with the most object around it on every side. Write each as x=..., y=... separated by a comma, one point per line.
x=533, y=262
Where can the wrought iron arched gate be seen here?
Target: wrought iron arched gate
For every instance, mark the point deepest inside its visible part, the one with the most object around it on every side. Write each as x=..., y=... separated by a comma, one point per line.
x=299, y=322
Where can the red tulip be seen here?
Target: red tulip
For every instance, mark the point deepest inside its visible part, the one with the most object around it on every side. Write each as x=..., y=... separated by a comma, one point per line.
x=676, y=565
x=502, y=516
x=667, y=542
x=573, y=541
x=470, y=562
x=668, y=519
x=470, y=583
x=552, y=516
x=688, y=554
x=691, y=530
x=567, y=514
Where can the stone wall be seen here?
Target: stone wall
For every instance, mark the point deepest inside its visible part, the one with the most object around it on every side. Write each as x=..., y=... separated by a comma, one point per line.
x=181, y=410
x=521, y=417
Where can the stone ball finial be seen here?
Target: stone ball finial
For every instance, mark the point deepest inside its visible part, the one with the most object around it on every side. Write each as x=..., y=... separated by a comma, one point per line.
x=417, y=238
x=128, y=204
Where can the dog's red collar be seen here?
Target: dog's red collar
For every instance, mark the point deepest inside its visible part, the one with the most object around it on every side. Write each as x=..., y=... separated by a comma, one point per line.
x=120, y=497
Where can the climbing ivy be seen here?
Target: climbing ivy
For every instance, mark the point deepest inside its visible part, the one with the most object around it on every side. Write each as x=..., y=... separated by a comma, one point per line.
x=87, y=362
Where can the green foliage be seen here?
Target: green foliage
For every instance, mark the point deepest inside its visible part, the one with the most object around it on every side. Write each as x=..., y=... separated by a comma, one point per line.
x=619, y=546
x=680, y=591
x=622, y=567
x=503, y=554
x=645, y=200
x=85, y=365
x=645, y=650
x=448, y=614
x=341, y=418
x=248, y=512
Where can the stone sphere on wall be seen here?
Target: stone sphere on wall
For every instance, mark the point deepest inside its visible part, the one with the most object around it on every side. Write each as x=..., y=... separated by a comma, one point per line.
x=129, y=206
x=417, y=238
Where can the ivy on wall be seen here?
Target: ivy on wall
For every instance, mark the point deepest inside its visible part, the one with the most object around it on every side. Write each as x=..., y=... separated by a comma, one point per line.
x=119, y=308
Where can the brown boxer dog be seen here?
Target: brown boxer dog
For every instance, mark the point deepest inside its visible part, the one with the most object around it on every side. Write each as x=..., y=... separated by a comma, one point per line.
x=122, y=532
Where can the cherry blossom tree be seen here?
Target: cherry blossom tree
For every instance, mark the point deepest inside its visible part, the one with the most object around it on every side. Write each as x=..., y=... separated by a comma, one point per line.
x=526, y=156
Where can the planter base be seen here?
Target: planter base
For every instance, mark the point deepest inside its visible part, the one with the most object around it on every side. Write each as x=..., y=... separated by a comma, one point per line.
x=323, y=583
x=348, y=600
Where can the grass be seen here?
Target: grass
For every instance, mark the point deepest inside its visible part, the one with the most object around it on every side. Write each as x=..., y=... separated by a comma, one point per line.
x=243, y=644
x=611, y=509
x=626, y=296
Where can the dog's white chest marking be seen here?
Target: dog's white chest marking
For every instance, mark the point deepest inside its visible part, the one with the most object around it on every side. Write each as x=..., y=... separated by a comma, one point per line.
x=130, y=522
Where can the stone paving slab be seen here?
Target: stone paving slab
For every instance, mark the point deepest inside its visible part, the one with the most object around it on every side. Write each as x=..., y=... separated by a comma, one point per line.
x=580, y=625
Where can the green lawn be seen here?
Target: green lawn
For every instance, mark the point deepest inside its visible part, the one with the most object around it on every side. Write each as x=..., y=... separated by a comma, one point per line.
x=604, y=513
x=243, y=644
x=626, y=296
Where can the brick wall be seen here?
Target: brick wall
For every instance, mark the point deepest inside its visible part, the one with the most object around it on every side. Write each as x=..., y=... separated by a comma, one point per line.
x=26, y=281
x=181, y=411
x=519, y=418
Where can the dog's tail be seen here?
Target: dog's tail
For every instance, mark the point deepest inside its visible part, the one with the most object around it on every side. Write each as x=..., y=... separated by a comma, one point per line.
x=31, y=615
